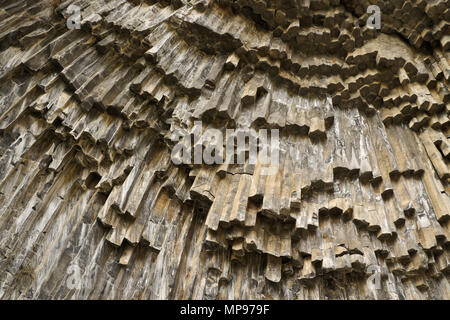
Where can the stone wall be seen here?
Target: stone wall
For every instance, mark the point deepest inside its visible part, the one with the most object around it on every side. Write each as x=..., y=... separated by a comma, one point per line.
x=93, y=207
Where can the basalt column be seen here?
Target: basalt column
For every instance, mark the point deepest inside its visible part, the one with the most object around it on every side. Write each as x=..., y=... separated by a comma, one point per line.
x=95, y=94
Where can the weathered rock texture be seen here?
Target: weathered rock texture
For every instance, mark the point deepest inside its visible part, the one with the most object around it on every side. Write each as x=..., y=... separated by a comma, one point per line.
x=87, y=124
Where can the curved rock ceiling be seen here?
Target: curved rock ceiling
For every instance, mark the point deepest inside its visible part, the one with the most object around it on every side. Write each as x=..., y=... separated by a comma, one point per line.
x=91, y=205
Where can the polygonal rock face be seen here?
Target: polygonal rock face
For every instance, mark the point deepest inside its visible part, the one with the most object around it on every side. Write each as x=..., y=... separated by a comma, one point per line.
x=97, y=199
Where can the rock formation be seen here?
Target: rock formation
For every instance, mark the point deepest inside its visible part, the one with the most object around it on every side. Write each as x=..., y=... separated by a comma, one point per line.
x=93, y=207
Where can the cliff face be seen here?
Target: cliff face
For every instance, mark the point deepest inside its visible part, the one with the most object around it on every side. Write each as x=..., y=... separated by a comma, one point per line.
x=92, y=205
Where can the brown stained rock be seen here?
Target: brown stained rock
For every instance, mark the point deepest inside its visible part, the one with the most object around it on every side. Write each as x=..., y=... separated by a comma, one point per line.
x=89, y=119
